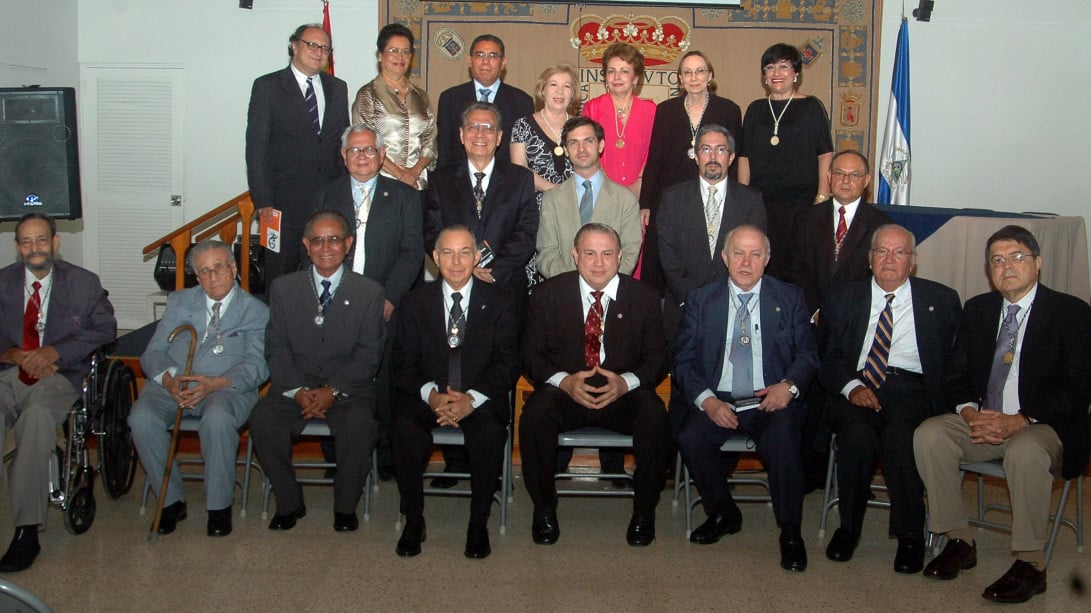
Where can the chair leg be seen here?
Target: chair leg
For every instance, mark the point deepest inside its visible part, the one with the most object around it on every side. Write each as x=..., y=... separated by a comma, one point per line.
x=144, y=498
x=1079, y=513
x=688, y=503
x=831, y=485
x=249, y=463
x=1058, y=519
x=677, y=478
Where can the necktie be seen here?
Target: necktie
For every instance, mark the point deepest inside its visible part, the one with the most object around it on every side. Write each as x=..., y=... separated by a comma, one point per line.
x=362, y=213
x=875, y=364
x=742, y=353
x=214, y=322
x=587, y=203
x=479, y=192
x=324, y=299
x=31, y=340
x=312, y=105
x=593, y=332
x=1002, y=359
x=485, y=93
x=842, y=230
x=712, y=219
x=455, y=331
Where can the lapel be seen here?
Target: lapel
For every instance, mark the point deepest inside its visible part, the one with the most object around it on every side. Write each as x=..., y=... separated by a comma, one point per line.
x=861, y=305
x=293, y=94
x=375, y=234
x=495, y=191
x=717, y=309
x=54, y=307
x=464, y=195
x=770, y=320
x=923, y=324
x=726, y=217
x=855, y=240
x=616, y=322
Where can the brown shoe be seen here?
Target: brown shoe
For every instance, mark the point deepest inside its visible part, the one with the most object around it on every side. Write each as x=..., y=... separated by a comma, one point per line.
x=1021, y=582
x=957, y=556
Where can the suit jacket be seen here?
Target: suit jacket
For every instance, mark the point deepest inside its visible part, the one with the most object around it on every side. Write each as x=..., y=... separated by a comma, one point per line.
x=343, y=353
x=242, y=335
x=509, y=215
x=512, y=102
x=79, y=317
x=787, y=342
x=811, y=266
x=554, y=338
x=844, y=322
x=560, y=220
x=286, y=162
x=1054, y=370
x=393, y=245
x=490, y=360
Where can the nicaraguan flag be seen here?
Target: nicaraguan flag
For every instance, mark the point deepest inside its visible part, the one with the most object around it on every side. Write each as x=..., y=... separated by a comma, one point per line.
x=894, y=156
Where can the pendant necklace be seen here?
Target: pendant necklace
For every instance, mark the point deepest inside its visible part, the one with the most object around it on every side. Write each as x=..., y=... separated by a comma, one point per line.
x=775, y=140
x=692, y=152
x=1009, y=355
x=559, y=149
x=40, y=324
x=319, y=317
x=620, y=123
x=744, y=337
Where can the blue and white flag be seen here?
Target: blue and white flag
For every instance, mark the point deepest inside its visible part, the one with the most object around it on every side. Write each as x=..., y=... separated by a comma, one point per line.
x=894, y=157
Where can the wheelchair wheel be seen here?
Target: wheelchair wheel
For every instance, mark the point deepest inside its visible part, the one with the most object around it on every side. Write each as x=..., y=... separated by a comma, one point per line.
x=116, y=452
x=80, y=513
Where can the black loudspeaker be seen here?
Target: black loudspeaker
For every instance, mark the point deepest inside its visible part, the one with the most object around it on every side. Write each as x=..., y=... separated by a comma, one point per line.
x=39, y=156
x=166, y=263
x=923, y=12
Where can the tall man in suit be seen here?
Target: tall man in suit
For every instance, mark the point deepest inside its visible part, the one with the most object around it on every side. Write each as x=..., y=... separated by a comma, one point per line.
x=456, y=364
x=52, y=316
x=387, y=247
x=487, y=62
x=323, y=347
x=594, y=350
x=295, y=118
x=743, y=355
x=222, y=387
x=1021, y=395
x=886, y=368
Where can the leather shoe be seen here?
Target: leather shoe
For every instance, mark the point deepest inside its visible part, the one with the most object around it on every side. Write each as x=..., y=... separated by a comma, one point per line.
x=413, y=534
x=219, y=522
x=910, y=557
x=843, y=545
x=957, y=556
x=345, y=522
x=544, y=529
x=728, y=521
x=477, y=542
x=444, y=483
x=286, y=521
x=386, y=473
x=172, y=514
x=1021, y=582
x=641, y=530
x=22, y=551
x=793, y=553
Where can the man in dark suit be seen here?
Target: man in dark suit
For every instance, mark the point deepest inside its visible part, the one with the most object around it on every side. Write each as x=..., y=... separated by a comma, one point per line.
x=487, y=63
x=295, y=119
x=323, y=347
x=222, y=387
x=595, y=351
x=886, y=367
x=52, y=316
x=1021, y=395
x=456, y=364
x=387, y=247
x=738, y=390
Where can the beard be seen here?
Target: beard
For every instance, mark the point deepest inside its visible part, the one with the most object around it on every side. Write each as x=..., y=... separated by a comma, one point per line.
x=42, y=267
x=712, y=171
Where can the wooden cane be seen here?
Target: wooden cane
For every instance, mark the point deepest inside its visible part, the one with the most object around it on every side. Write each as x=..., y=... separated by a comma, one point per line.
x=153, y=537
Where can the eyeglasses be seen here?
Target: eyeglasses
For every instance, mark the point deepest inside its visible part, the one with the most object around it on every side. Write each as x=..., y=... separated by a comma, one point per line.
x=899, y=254
x=219, y=269
x=323, y=241
x=1015, y=257
x=481, y=56
x=707, y=150
x=323, y=49
x=779, y=67
x=37, y=240
x=355, y=152
x=700, y=72
x=840, y=175
x=479, y=127
x=397, y=51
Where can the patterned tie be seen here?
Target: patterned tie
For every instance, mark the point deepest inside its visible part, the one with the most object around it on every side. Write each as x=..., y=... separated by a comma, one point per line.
x=363, y=210
x=742, y=353
x=484, y=92
x=1002, y=359
x=479, y=192
x=324, y=299
x=712, y=219
x=455, y=331
x=593, y=332
x=875, y=364
x=587, y=203
x=312, y=105
x=842, y=230
x=31, y=340
x=214, y=322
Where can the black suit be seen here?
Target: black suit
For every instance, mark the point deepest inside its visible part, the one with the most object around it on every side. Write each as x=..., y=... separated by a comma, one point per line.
x=512, y=102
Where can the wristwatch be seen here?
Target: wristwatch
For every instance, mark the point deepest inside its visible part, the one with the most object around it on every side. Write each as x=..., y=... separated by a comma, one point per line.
x=337, y=394
x=792, y=388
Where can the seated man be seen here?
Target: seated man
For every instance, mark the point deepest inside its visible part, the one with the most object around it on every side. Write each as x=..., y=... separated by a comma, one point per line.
x=1021, y=394
x=456, y=363
x=595, y=350
x=743, y=355
x=52, y=316
x=323, y=347
x=221, y=389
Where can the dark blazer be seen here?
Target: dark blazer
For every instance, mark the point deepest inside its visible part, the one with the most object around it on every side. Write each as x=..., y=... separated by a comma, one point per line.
x=512, y=102
x=811, y=266
x=393, y=244
x=633, y=331
x=79, y=317
x=844, y=323
x=787, y=342
x=509, y=215
x=490, y=360
x=1054, y=369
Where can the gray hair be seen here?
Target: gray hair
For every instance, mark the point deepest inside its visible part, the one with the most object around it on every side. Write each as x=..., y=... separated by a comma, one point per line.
x=894, y=226
x=483, y=106
x=206, y=246
x=360, y=127
x=764, y=237
x=717, y=128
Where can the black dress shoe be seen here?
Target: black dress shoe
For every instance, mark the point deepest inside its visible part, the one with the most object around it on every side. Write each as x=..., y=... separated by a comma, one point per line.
x=22, y=551
x=793, y=553
x=544, y=529
x=444, y=483
x=1021, y=582
x=172, y=514
x=386, y=473
x=641, y=530
x=910, y=557
x=345, y=522
x=477, y=542
x=219, y=522
x=286, y=521
x=413, y=534
x=728, y=521
x=843, y=545
x=957, y=556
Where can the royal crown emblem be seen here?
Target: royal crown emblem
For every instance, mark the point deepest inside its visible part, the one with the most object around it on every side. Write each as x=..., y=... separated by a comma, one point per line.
x=661, y=40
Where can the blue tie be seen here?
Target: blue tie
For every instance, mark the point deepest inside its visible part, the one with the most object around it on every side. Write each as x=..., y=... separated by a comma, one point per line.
x=587, y=203
x=485, y=93
x=742, y=355
x=325, y=297
x=312, y=105
x=1002, y=359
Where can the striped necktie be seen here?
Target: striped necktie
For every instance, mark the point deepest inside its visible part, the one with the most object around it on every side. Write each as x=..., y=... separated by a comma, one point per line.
x=875, y=365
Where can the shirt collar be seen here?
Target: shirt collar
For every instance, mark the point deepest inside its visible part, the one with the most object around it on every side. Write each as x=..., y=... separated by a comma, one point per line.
x=302, y=78
x=487, y=170
x=495, y=87
x=465, y=291
x=367, y=186
x=1024, y=302
x=610, y=290
x=849, y=206
x=736, y=290
x=878, y=293
x=46, y=281
x=334, y=279
x=209, y=302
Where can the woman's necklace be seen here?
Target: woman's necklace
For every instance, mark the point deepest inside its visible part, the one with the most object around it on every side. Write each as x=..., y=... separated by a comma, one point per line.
x=397, y=89
x=694, y=128
x=620, y=123
x=559, y=149
x=775, y=140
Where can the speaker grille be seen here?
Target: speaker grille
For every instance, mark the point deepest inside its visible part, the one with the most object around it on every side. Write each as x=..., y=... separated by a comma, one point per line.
x=39, y=156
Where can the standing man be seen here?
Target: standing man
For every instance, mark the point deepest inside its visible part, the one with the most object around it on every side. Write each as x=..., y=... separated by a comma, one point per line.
x=222, y=387
x=1021, y=395
x=456, y=365
x=886, y=367
x=52, y=316
x=743, y=356
x=487, y=63
x=595, y=352
x=323, y=347
x=295, y=119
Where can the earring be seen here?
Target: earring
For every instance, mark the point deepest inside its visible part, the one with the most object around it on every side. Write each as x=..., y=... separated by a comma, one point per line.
x=795, y=79
x=765, y=82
